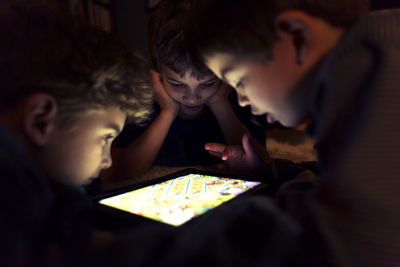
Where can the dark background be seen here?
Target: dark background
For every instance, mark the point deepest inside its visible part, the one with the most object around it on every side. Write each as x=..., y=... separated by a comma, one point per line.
x=131, y=23
x=382, y=4
x=131, y=20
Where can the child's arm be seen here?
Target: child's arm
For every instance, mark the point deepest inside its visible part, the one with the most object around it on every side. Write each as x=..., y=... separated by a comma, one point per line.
x=140, y=155
x=232, y=128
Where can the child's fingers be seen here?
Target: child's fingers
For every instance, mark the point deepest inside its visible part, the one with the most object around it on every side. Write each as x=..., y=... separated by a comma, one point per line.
x=232, y=152
x=254, y=151
x=248, y=147
x=156, y=79
x=215, y=147
x=225, y=151
x=160, y=95
x=215, y=154
x=226, y=154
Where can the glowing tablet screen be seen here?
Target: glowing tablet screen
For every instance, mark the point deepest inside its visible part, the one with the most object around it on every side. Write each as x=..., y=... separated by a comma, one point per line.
x=178, y=200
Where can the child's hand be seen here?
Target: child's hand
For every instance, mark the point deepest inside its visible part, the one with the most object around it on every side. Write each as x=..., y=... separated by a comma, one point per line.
x=163, y=99
x=249, y=159
x=220, y=95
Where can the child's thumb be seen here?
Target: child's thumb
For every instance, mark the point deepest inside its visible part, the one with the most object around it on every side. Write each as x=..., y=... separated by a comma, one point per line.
x=248, y=146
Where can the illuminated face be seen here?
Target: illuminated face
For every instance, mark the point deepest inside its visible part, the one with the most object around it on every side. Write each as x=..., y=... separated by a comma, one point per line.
x=267, y=86
x=191, y=93
x=77, y=155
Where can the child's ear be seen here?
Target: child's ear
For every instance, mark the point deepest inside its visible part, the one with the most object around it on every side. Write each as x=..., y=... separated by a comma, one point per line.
x=39, y=117
x=297, y=26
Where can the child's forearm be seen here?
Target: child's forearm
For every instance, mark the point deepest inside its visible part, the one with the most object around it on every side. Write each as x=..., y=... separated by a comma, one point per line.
x=140, y=155
x=232, y=128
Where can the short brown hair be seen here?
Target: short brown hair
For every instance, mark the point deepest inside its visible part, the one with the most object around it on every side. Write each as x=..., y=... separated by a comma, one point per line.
x=168, y=42
x=246, y=27
x=42, y=49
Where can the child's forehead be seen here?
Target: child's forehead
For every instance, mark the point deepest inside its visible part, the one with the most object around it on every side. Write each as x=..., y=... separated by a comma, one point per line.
x=107, y=117
x=188, y=74
x=221, y=63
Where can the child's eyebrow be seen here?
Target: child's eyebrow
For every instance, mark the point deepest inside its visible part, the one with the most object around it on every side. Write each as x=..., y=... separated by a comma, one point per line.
x=114, y=127
x=224, y=72
x=211, y=79
x=174, y=80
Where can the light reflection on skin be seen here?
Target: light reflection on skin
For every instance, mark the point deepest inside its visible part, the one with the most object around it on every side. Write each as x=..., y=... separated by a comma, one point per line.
x=265, y=86
x=77, y=155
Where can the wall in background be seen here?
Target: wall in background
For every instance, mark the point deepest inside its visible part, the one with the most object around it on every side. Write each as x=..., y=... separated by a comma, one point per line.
x=131, y=23
x=383, y=4
x=131, y=20
x=99, y=13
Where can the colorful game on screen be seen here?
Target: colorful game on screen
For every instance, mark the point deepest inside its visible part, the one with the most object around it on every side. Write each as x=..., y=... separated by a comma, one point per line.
x=178, y=200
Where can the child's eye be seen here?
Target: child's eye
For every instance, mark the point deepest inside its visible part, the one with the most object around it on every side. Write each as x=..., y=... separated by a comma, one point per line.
x=239, y=84
x=108, y=138
x=177, y=85
x=207, y=85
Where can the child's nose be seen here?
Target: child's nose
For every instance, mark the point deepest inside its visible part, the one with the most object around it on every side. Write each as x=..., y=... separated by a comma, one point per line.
x=243, y=100
x=107, y=161
x=191, y=97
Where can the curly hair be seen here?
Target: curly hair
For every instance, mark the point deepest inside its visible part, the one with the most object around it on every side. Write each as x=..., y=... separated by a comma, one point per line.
x=42, y=49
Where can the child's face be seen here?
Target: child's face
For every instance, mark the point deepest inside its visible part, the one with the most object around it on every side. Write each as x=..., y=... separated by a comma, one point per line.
x=77, y=154
x=191, y=93
x=268, y=87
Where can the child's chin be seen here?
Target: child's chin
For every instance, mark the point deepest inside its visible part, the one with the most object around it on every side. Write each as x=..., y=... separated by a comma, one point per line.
x=88, y=181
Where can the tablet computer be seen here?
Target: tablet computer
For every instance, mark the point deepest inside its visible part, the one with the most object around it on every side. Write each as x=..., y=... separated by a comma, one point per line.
x=178, y=197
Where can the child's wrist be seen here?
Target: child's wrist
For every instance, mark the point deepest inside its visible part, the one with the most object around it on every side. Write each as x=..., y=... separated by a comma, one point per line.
x=169, y=113
x=219, y=104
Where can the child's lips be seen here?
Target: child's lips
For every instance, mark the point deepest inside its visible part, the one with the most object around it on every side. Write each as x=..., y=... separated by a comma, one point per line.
x=193, y=108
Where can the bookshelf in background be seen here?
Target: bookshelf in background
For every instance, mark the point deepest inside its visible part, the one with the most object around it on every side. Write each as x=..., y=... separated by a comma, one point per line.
x=101, y=14
x=98, y=12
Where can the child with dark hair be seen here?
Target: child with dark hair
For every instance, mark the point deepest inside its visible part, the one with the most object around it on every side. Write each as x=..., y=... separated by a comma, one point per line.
x=193, y=106
x=335, y=64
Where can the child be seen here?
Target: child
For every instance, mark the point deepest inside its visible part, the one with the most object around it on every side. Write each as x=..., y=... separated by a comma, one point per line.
x=66, y=91
x=194, y=106
x=291, y=60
